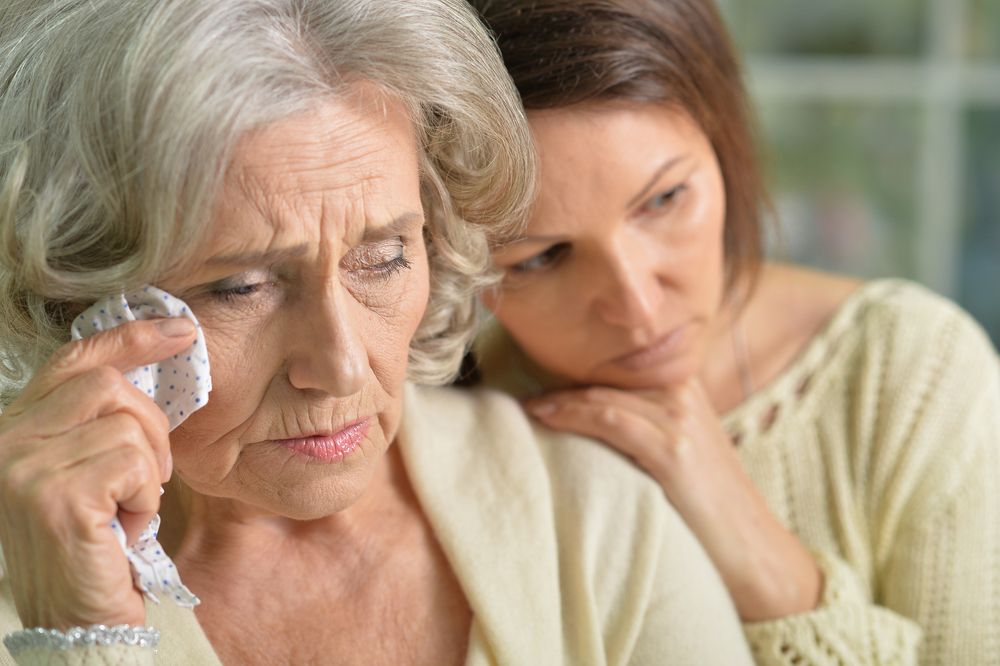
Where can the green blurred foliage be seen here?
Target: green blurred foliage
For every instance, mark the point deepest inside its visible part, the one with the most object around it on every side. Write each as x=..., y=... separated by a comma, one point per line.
x=845, y=174
x=842, y=177
x=983, y=20
x=979, y=285
x=828, y=27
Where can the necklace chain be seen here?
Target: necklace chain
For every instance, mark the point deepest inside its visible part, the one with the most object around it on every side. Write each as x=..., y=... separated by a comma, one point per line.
x=742, y=354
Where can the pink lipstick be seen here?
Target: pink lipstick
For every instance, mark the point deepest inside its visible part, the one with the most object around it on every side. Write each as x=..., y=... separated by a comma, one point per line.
x=329, y=448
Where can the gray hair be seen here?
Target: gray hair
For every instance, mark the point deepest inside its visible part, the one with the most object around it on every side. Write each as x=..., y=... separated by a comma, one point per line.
x=118, y=119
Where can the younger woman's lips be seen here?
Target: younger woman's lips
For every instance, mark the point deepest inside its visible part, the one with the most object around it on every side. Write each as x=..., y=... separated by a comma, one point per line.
x=654, y=354
x=329, y=448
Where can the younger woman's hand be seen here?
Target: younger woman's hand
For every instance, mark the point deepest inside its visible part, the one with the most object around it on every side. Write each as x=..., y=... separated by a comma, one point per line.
x=80, y=446
x=675, y=435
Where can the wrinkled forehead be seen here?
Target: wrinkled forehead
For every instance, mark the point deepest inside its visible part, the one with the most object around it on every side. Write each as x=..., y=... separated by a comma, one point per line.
x=333, y=171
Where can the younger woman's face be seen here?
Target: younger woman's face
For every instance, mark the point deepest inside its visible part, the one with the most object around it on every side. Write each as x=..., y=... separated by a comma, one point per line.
x=620, y=274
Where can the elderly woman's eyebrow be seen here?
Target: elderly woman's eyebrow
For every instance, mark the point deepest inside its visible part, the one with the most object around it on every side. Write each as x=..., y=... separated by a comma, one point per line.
x=399, y=225
x=265, y=257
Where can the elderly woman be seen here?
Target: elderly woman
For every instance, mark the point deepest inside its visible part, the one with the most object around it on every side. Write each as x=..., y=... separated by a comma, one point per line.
x=834, y=445
x=311, y=186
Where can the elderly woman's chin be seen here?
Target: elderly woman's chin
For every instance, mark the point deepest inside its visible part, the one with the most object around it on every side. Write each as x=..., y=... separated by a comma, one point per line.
x=272, y=469
x=303, y=478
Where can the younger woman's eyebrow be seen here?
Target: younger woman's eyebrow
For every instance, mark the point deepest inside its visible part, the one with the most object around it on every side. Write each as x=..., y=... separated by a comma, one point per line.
x=666, y=166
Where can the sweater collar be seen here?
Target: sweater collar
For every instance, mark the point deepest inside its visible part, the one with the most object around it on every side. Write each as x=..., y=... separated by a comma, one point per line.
x=479, y=478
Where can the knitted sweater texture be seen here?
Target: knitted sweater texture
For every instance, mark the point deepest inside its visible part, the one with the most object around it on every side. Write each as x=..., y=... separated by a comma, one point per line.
x=879, y=447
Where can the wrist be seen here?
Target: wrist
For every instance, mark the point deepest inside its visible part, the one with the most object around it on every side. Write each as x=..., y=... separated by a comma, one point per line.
x=80, y=637
x=775, y=592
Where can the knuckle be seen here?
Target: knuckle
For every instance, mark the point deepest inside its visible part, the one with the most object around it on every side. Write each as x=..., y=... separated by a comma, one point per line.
x=68, y=355
x=104, y=379
x=593, y=394
x=608, y=416
x=135, y=335
x=137, y=464
x=676, y=450
x=687, y=395
x=16, y=478
x=129, y=429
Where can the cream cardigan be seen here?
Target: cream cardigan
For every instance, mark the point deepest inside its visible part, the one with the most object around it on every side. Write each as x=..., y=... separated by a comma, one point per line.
x=566, y=553
x=880, y=448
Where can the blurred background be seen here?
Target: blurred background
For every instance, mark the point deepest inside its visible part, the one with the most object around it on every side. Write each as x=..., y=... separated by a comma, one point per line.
x=880, y=124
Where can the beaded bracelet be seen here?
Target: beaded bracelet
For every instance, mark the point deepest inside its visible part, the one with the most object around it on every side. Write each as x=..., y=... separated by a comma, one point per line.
x=97, y=634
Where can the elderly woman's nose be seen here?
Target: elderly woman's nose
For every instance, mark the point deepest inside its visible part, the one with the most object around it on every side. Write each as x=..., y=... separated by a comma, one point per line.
x=326, y=349
x=629, y=292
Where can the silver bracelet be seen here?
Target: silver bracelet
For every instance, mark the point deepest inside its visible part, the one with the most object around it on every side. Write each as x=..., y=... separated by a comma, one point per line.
x=96, y=634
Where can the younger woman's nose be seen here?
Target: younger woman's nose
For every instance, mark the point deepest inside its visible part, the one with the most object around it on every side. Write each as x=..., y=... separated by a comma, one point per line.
x=630, y=293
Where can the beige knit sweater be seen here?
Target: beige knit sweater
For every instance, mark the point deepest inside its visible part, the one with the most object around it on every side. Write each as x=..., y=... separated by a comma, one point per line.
x=880, y=448
x=566, y=553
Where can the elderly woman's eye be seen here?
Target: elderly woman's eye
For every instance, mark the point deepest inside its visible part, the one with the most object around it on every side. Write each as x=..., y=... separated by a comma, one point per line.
x=380, y=260
x=230, y=294
x=392, y=266
x=241, y=287
x=542, y=260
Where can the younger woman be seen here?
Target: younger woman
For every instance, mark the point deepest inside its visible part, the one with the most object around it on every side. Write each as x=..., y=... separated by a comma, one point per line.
x=834, y=445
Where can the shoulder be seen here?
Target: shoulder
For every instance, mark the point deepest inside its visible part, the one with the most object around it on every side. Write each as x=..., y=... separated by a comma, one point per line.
x=566, y=523
x=833, y=322
x=573, y=489
x=926, y=379
x=912, y=331
x=589, y=495
x=494, y=424
x=488, y=435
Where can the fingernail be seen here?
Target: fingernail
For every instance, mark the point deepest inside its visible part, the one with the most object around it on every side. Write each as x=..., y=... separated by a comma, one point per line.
x=170, y=467
x=175, y=327
x=543, y=408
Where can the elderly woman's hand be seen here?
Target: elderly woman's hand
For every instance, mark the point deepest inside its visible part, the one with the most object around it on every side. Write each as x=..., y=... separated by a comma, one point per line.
x=80, y=446
x=675, y=435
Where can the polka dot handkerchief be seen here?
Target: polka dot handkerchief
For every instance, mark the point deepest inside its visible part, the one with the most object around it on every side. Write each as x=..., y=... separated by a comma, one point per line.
x=179, y=386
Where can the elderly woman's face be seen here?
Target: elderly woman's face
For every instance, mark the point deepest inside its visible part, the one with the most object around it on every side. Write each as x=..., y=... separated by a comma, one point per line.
x=620, y=275
x=309, y=291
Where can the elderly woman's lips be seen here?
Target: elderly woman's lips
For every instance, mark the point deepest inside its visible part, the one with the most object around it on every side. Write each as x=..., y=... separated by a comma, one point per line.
x=329, y=448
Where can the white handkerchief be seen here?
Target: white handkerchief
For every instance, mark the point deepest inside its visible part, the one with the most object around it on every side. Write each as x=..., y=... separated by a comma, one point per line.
x=179, y=386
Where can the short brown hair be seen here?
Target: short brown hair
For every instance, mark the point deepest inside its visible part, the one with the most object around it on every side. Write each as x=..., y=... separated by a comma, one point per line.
x=562, y=53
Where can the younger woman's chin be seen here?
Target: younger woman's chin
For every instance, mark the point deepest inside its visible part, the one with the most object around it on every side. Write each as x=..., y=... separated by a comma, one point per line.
x=664, y=376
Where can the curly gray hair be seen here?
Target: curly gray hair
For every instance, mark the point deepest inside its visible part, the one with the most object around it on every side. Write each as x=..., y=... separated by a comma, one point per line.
x=118, y=119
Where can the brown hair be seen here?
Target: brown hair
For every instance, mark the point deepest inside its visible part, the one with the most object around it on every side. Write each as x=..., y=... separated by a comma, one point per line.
x=562, y=53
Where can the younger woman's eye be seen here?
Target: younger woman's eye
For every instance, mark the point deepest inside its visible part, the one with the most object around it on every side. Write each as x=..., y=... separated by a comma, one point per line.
x=542, y=260
x=663, y=200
